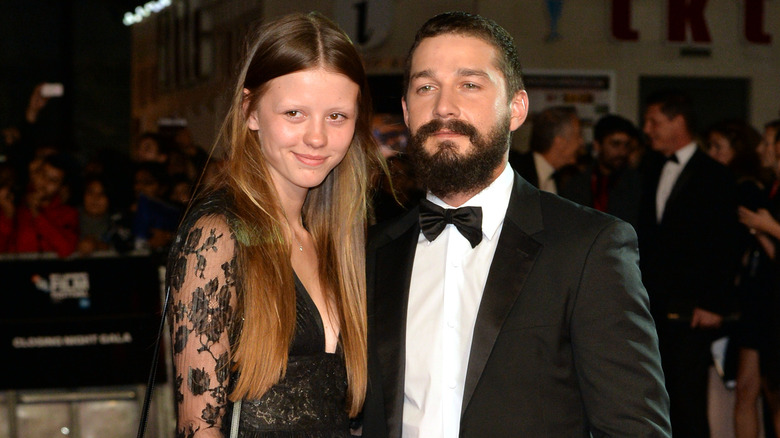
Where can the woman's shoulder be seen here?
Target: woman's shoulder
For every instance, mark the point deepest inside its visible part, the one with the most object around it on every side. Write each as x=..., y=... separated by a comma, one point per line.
x=209, y=215
x=212, y=208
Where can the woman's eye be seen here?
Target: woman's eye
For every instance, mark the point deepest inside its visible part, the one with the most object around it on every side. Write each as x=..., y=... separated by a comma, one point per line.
x=337, y=117
x=293, y=113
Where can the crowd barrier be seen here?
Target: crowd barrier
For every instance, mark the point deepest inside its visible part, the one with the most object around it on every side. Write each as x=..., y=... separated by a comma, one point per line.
x=77, y=338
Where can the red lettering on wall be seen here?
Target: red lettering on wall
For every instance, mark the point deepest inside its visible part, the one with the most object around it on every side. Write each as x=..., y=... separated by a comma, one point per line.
x=684, y=13
x=621, y=21
x=754, y=22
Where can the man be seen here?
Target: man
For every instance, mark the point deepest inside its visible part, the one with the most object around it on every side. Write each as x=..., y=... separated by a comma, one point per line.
x=687, y=229
x=609, y=185
x=535, y=324
x=556, y=139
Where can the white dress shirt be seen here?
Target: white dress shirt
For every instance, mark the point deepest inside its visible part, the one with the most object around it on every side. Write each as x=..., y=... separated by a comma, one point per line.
x=448, y=277
x=669, y=174
x=545, y=172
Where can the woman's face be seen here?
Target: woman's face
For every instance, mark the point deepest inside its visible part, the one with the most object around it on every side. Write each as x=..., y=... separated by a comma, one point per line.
x=305, y=122
x=720, y=149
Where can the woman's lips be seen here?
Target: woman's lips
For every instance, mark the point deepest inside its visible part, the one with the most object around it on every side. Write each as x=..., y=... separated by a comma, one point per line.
x=310, y=160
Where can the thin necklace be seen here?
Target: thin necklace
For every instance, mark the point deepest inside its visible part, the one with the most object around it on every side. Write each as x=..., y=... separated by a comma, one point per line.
x=300, y=245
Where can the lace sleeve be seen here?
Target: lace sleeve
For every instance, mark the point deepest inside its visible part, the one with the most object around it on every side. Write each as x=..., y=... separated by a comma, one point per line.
x=203, y=289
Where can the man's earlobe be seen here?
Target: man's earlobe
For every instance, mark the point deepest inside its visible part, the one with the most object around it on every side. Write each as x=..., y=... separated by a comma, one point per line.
x=518, y=109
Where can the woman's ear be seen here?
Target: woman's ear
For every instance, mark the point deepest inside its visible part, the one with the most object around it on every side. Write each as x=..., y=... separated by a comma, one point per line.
x=251, y=118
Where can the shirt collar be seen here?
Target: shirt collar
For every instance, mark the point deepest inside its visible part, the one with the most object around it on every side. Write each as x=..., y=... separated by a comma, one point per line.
x=494, y=200
x=685, y=153
x=544, y=169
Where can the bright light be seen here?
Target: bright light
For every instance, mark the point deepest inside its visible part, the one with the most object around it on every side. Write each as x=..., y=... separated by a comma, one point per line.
x=144, y=11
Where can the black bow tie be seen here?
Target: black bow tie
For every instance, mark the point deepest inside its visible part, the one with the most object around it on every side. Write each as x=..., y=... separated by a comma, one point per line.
x=672, y=158
x=468, y=220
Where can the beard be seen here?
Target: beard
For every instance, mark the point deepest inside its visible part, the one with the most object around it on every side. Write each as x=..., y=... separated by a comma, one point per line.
x=445, y=172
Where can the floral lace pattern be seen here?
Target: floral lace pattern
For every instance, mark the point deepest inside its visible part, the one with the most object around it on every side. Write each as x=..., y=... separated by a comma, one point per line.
x=202, y=281
x=310, y=401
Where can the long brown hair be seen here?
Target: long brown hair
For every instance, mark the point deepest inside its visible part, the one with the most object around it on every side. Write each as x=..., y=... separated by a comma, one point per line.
x=334, y=212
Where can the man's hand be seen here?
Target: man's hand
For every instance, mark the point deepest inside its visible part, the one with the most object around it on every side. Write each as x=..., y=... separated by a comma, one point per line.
x=705, y=319
x=37, y=102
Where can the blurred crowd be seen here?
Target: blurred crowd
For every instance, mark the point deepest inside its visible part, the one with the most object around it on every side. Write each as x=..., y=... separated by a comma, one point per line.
x=113, y=202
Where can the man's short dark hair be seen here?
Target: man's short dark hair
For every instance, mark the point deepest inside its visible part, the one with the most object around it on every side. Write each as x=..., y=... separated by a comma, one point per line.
x=611, y=124
x=463, y=23
x=674, y=103
x=550, y=123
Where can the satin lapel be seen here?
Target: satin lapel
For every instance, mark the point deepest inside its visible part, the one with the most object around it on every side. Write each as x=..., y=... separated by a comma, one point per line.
x=513, y=260
x=391, y=293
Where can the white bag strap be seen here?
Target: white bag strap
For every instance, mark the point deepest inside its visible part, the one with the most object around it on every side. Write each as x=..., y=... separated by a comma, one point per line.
x=234, y=419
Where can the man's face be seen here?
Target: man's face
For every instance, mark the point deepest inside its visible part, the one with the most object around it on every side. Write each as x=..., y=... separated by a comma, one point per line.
x=571, y=143
x=456, y=108
x=661, y=130
x=613, y=151
x=765, y=149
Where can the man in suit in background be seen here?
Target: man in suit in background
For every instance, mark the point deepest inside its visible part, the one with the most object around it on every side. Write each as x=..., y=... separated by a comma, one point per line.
x=518, y=313
x=609, y=184
x=688, y=255
x=556, y=140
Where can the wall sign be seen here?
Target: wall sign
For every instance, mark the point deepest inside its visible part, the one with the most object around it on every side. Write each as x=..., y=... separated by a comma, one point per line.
x=367, y=22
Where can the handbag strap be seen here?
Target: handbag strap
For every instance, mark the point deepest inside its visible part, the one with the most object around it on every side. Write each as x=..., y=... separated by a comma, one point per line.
x=234, y=419
x=153, y=372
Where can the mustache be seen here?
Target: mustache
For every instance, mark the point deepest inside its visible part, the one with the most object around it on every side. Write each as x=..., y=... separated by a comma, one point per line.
x=457, y=126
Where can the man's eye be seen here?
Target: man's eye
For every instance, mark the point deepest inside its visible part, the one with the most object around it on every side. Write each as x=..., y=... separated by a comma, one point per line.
x=470, y=86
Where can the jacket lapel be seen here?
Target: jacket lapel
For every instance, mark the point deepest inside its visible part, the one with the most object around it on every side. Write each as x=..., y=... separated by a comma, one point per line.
x=391, y=295
x=682, y=181
x=513, y=260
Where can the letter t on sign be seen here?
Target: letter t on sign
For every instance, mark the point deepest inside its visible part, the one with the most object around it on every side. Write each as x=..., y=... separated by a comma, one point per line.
x=684, y=12
x=621, y=21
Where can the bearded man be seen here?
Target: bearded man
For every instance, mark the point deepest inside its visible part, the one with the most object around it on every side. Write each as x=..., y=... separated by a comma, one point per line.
x=494, y=309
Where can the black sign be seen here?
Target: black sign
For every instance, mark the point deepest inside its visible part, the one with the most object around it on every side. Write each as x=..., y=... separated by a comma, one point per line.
x=78, y=322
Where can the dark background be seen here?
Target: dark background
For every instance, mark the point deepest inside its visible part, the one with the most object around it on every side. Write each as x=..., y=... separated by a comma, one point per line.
x=84, y=45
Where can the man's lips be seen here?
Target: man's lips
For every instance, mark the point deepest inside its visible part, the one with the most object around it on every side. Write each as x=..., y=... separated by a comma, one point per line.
x=447, y=133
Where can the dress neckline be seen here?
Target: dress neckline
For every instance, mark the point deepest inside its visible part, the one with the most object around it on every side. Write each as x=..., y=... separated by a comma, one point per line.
x=302, y=291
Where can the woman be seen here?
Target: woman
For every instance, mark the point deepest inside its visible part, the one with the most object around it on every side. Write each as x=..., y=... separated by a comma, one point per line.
x=736, y=145
x=766, y=227
x=267, y=271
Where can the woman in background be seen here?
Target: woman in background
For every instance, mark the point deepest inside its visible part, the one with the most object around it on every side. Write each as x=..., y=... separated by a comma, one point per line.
x=267, y=269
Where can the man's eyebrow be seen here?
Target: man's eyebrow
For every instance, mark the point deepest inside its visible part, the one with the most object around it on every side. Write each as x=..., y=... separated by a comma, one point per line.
x=472, y=72
x=427, y=73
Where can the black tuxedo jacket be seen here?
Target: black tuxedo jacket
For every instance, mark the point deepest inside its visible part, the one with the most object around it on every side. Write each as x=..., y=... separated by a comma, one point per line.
x=523, y=163
x=563, y=345
x=689, y=259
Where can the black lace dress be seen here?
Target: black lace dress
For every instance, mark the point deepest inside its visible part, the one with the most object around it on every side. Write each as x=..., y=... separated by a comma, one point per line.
x=310, y=401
